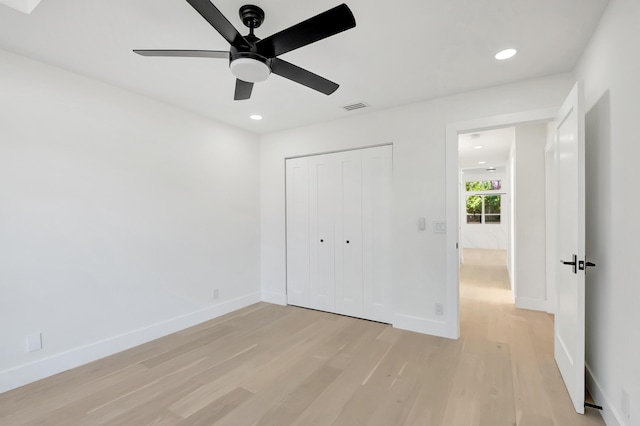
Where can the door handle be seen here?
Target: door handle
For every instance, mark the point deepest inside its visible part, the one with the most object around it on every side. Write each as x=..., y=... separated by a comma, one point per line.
x=574, y=263
x=583, y=265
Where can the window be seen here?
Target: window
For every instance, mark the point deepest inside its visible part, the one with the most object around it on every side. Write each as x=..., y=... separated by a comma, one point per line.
x=474, y=209
x=484, y=185
x=483, y=208
x=491, y=209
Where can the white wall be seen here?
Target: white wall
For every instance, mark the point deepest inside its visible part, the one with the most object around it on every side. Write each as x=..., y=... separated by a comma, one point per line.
x=486, y=236
x=119, y=215
x=610, y=70
x=529, y=217
x=418, y=133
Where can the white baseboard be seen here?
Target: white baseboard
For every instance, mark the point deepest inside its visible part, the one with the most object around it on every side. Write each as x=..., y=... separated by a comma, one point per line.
x=420, y=325
x=275, y=298
x=28, y=373
x=531, y=304
x=609, y=413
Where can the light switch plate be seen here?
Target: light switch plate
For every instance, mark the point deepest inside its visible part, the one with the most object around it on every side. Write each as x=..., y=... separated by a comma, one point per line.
x=440, y=227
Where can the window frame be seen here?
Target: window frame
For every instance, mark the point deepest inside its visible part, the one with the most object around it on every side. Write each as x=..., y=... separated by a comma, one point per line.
x=483, y=194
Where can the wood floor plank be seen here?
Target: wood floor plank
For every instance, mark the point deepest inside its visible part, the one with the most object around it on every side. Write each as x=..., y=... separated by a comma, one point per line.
x=285, y=411
x=283, y=365
x=356, y=360
x=218, y=408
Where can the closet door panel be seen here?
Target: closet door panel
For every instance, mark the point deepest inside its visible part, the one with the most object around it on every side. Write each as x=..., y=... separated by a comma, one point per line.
x=349, y=235
x=297, y=196
x=322, y=199
x=376, y=225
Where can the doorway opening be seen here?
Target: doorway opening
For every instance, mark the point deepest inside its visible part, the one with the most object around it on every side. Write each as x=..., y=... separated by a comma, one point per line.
x=485, y=188
x=503, y=206
x=488, y=211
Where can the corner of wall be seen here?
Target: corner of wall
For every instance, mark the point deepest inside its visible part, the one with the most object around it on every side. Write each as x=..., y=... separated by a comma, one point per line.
x=275, y=298
x=422, y=325
x=609, y=413
x=531, y=304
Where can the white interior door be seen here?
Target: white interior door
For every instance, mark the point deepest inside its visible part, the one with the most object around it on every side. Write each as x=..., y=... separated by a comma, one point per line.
x=570, y=223
x=322, y=201
x=297, y=193
x=376, y=236
x=349, y=289
x=339, y=232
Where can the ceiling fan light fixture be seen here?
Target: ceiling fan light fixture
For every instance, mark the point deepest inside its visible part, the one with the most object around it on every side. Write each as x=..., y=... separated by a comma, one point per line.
x=250, y=70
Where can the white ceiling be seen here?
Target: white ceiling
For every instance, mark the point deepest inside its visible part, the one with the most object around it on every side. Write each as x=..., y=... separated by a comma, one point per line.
x=401, y=51
x=494, y=152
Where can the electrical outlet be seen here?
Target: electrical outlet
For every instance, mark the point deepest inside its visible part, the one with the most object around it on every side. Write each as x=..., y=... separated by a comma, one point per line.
x=439, y=309
x=216, y=294
x=34, y=342
x=626, y=412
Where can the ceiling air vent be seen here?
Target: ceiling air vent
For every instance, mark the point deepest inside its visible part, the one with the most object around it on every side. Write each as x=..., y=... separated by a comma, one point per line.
x=351, y=107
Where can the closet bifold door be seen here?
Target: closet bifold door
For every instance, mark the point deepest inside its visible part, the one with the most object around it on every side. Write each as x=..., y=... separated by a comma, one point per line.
x=297, y=199
x=376, y=226
x=348, y=225
x=322, y=201
x=339, y=232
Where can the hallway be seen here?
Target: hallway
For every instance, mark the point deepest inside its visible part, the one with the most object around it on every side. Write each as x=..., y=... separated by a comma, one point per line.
x=522, y=339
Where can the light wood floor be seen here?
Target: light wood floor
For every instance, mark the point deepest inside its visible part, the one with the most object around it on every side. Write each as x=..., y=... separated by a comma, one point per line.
x=274, y=365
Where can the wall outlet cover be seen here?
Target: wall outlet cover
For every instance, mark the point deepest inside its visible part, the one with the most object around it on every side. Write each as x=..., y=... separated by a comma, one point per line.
x=624, y=404
x=34, y=342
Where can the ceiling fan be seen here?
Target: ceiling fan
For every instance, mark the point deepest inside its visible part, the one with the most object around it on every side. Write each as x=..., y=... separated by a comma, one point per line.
x=252, y=59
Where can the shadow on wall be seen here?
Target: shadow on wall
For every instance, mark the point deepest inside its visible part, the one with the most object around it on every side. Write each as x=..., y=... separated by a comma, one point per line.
x=598, y=223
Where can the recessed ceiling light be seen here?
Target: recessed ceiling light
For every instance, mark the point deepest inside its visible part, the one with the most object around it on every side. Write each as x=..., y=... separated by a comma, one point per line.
x=505, y=54
x=478, y=147
x=482, y=162
x=255, y=117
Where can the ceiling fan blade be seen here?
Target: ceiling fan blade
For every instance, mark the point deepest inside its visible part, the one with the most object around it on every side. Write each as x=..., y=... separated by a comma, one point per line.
x=218, y=21
x=184, y=53
x=321, y=26
x=243, y=90
x=302, y=76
